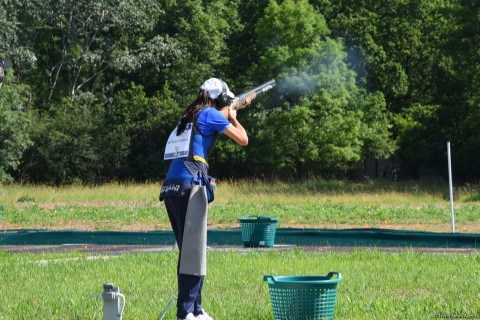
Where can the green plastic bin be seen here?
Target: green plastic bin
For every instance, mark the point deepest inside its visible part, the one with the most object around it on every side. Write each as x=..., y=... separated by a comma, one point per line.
x=303, y=297
x=258, y=231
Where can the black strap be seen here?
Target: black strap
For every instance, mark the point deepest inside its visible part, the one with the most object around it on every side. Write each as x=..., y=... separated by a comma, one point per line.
x=198, y=168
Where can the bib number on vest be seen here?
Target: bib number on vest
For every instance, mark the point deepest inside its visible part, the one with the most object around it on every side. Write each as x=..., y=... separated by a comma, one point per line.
x=178, y=146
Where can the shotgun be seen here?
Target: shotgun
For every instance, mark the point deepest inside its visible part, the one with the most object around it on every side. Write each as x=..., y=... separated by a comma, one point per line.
x=251, y=94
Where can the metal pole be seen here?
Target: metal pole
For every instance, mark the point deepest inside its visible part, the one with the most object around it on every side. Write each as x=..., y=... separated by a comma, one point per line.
x=167, y=308
x=452, y=214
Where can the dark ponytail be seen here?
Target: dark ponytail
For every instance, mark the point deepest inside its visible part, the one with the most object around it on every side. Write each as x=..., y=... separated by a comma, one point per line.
x=203, y=100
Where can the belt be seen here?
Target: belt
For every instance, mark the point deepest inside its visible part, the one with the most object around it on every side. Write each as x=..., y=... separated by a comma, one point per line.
x=198, y=158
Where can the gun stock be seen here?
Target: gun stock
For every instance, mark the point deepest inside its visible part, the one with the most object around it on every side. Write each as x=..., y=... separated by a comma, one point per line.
x=251, y=94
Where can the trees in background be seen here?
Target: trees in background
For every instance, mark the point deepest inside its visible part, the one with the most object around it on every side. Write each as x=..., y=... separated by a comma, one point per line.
x=15, y=98
x=15, y=121
x=423, y=56
x=324, y=120
x=99, y=85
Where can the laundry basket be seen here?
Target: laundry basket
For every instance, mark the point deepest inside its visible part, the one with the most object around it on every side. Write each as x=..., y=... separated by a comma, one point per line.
x=303, y=297
x=258, y=231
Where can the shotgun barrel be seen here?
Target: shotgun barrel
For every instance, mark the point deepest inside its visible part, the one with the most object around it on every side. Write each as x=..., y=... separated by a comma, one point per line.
x=252, y=94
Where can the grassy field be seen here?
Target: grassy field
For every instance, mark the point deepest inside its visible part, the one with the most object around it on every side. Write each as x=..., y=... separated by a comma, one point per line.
x=317, y=204
x=375, y=285
x=406, y=284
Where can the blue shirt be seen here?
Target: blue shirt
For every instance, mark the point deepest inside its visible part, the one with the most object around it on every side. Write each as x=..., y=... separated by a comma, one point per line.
x=210, y=121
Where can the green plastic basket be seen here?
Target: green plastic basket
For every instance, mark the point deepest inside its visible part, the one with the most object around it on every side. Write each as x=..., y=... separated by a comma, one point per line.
x=303, y=297
x=258, y=231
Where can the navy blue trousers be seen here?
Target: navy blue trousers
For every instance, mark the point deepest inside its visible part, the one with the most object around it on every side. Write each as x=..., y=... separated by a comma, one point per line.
x=189, y=296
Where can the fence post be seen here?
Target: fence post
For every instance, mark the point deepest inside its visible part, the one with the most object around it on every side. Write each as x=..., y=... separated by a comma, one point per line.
x=450, y=187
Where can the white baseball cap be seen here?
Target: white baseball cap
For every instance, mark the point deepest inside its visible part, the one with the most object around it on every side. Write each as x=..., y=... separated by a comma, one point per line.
x=215, y=86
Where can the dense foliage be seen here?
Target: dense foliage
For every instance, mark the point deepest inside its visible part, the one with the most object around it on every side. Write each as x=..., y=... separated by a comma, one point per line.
x=97, y=86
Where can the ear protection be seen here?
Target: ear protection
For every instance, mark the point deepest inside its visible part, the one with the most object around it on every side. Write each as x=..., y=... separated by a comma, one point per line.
x=223, y=98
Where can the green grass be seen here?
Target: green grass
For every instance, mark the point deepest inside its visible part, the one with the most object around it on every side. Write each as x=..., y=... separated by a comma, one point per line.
x=308, y=213
x=376, y=285
x=410, y=192
x=313, y=203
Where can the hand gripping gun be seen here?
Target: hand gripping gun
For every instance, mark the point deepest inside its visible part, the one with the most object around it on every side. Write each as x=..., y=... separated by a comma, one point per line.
x=251, y=94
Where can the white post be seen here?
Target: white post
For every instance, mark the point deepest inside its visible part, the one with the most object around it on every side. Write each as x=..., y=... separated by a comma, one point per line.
x=452, y=214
